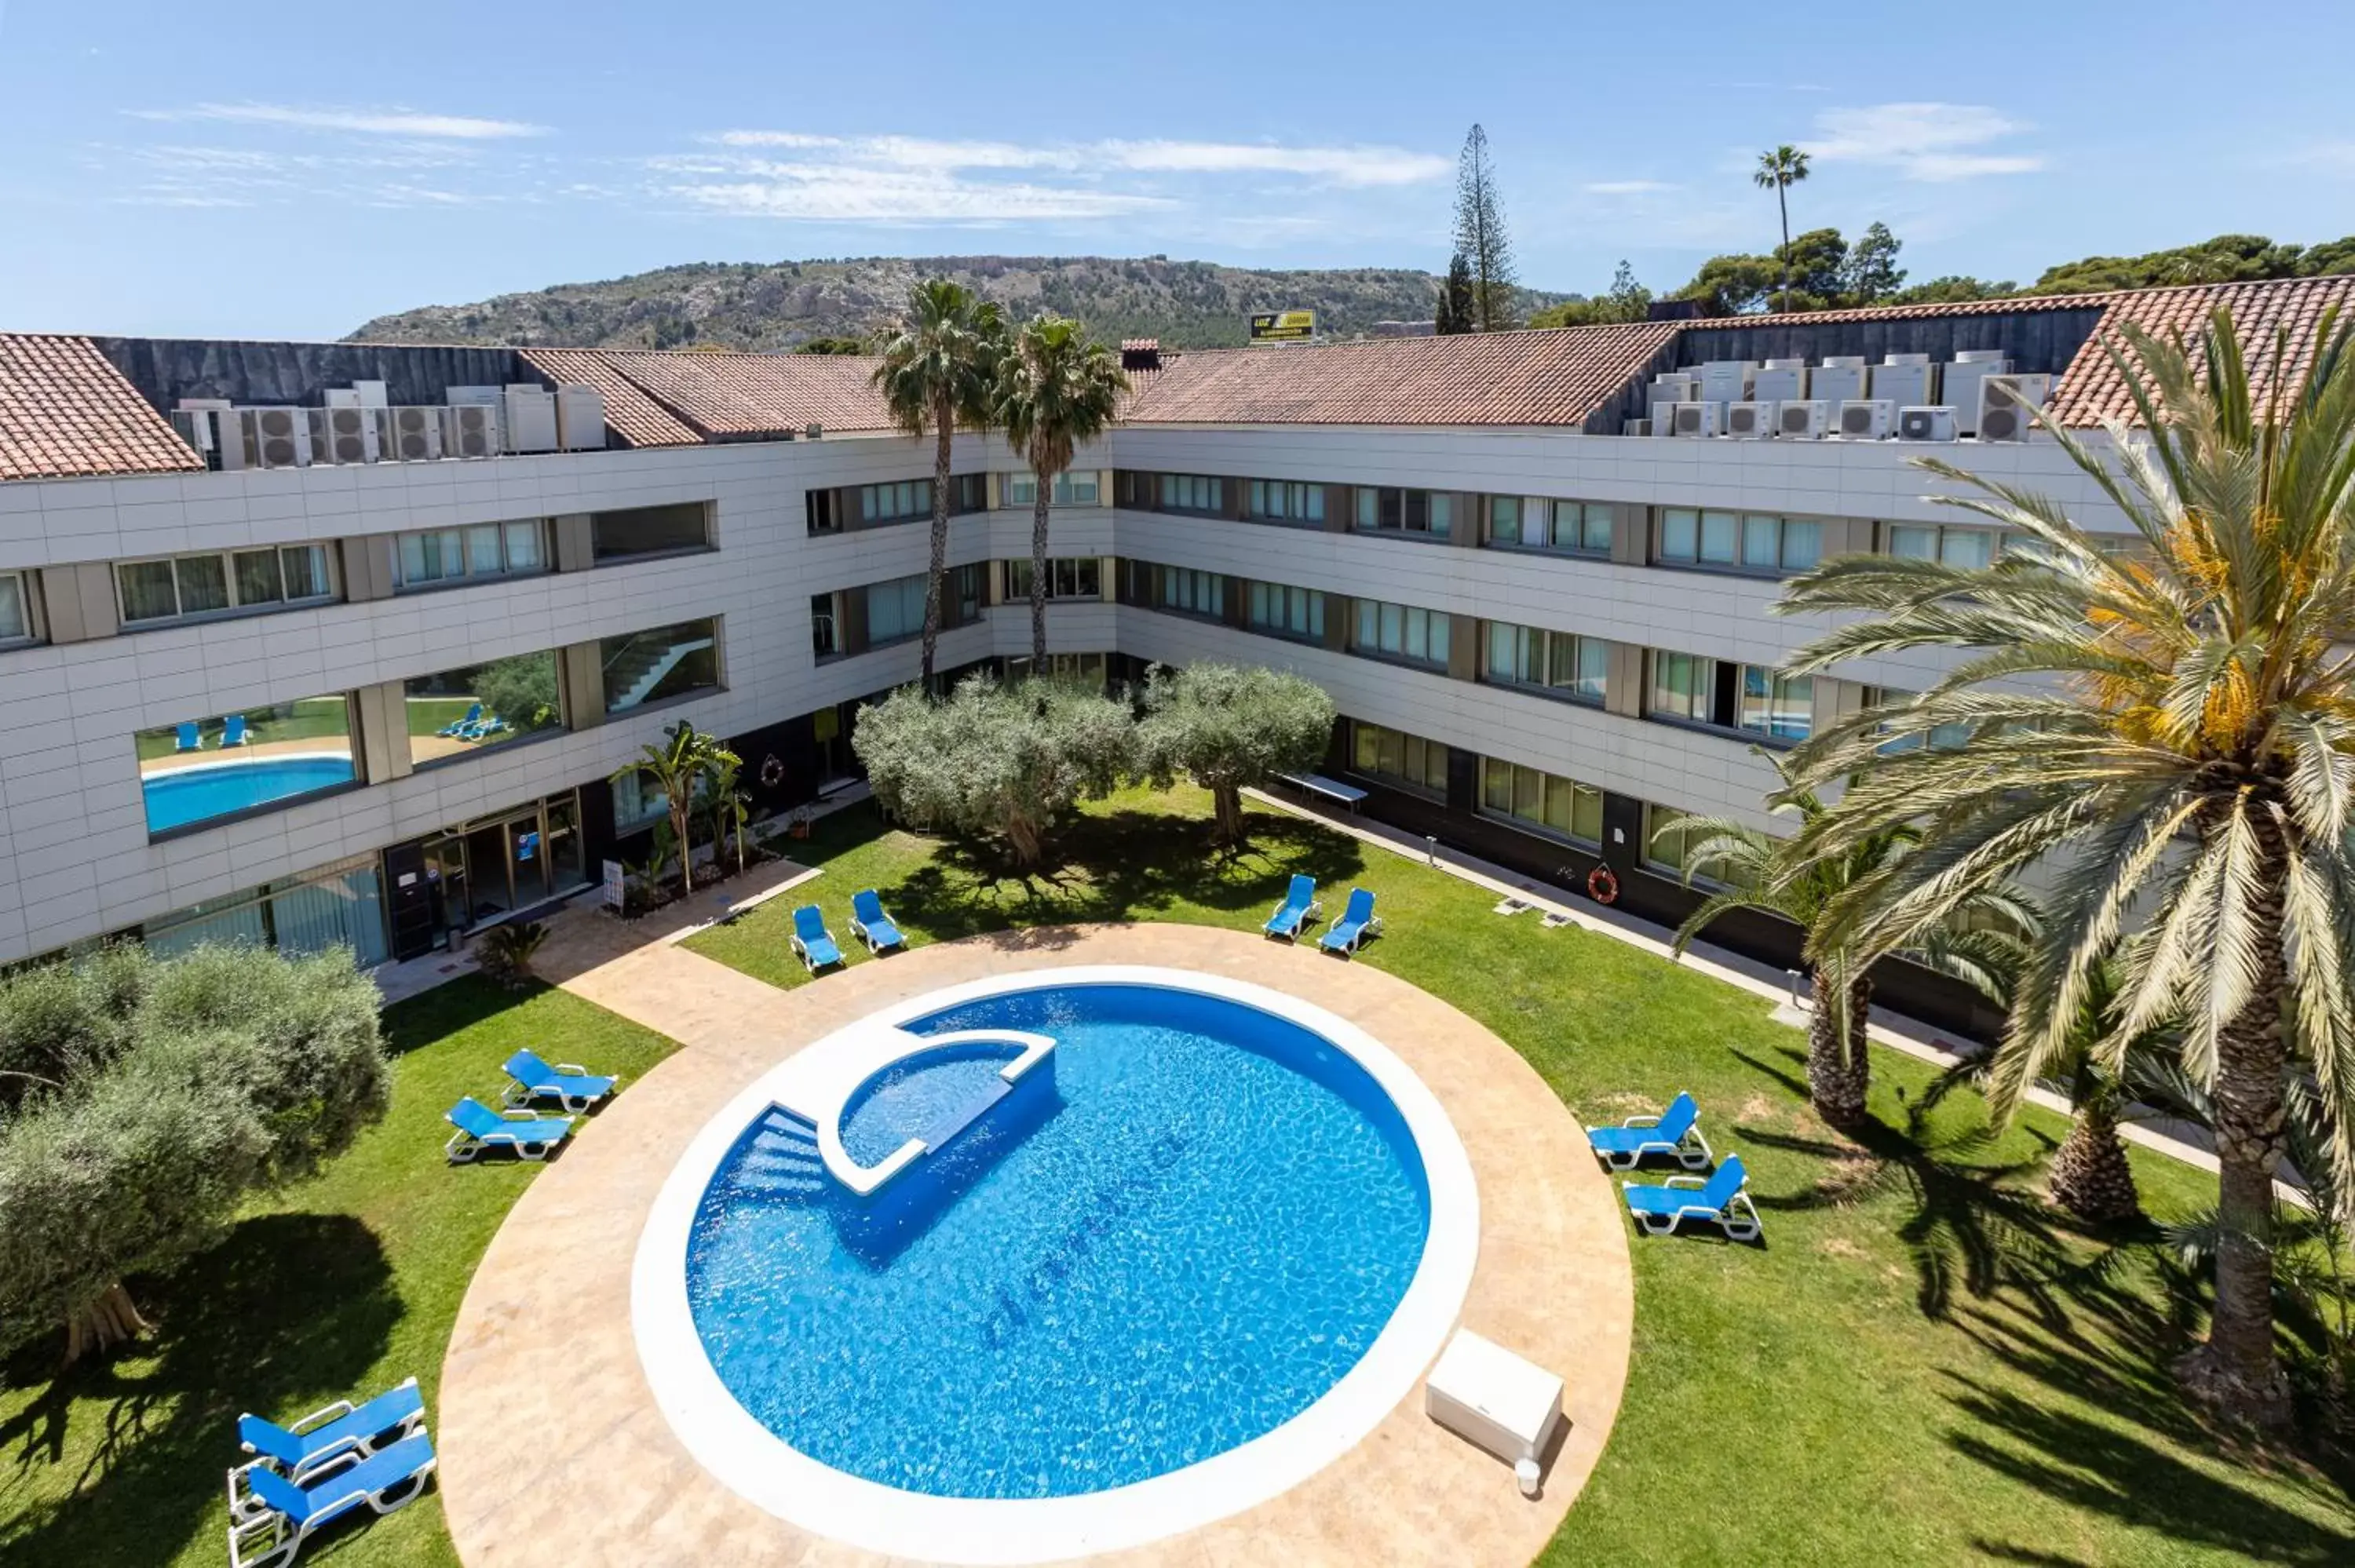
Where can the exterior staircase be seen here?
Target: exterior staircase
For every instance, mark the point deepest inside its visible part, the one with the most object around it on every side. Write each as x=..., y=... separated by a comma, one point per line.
x=636, y=672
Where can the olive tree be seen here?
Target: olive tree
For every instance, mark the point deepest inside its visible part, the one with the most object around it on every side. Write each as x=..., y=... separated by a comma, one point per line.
x=990, y=760
x=1227, y=728
x=142, y=1100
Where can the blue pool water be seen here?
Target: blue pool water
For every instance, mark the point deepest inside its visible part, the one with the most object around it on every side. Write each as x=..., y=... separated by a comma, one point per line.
x=1175, y=1245
x=180, y=796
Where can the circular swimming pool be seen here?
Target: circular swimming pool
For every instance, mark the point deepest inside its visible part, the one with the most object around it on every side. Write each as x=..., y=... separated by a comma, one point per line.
x=1054, y=1264
x=178, y=796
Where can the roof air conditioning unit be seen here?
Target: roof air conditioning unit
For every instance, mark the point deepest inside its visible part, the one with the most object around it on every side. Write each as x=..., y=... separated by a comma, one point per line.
x=341, y=398
x=2005, y=402
x=416, y=433
x=1675, y=386
x=1699, y=418
x=1839, y=379
x=1634, y=427
x=1782, y=381
x=1726, y=380
x=1958, y=384
x=350, y=433
x=1867, y=419
x=1752, y=421
x=372, y=394
x=1664, y=420
x=277, y=438
x=1807, y=421
x=1903, y=380
x=579, y=418
x=470, y=431
x=1926, y=424
x=530, y=419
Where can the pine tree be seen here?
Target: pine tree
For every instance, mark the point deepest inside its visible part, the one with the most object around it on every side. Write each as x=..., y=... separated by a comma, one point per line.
x=1870, y=274
x=1455, y=314
x=1480, y=236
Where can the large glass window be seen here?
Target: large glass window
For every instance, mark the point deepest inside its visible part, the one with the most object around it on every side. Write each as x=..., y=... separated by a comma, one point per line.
x=1668, y=842
x=1084, y=668
x=1748, y=541
x=223, y=581
x=1779, y=706
x=482, y=550
x=15, y=608
x=896, y=502
x=1067, y=576
x=1275, y=501
x=1967, y=548
x=1400, y=631
x=335, y=905
x=1386, y=511
x=1193, y=592
x=1683, y=686
x=460, y=711
x=1940, y=738
x=1557, y=663
x=825, y=635
x=665, y=662
x=207, y=769
x=1074, y=487
x=1545, y=801
x=650, y=531
x=1535, y=523
x=1193, y=492
x=1397, y=758
x=895, y=610
x=1287, y=611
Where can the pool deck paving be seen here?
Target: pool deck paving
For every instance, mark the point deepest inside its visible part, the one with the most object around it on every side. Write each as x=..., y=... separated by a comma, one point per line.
x=546, y=1428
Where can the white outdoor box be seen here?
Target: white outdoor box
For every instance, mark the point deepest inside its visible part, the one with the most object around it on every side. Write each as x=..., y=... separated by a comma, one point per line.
x=1808, y=420
x=1958, y=384
x=1752, y=421
x=579, y=418
x=1782, y=381
x=1484, y=1392
x=2005, y=402
x=1866, y=419
x=1726, y=380
x=1702, y=418
x=530, y=419
x=372, y=394
x=1904, y=384
x=1839, y=379
x=1926, y=424
x=1675, y=386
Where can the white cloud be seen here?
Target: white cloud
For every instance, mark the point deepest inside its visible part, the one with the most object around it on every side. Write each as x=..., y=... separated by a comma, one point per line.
x=1354, y=167
x=1626, y=187
x=1931, y=142
x=836, y=192
x=371, y=123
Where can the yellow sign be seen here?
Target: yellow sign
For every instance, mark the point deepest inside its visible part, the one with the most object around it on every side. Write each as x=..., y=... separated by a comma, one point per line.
x=1283, y=326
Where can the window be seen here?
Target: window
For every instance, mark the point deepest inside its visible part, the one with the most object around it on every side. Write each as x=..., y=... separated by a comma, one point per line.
x=1192, y=592
x=1193, y=492
x=232, y=765
x=1545, y=802
x=1668, y=843
x=666, y=662
x=444, y=556
x=1402, y=632
x=1940, y=738
x=1751, y=542
x=1431, y=512
x=1275, y=501
x=895, y=610
x=640, y=802
x=1067, y=576
x=15, y=608
x=1557, y=663
x=644, y=531
x=825, y=635
x=960, y=595
x=336, y=905
x=1407, y=759
x=1074, y=487
x=1533, y=523
x=895, y=503
x=218, y=583
x=1088, y=669
x=1967, y=547
x=1779, y=706
x=1287, y=611
x=1684, y=687
x=460, y=711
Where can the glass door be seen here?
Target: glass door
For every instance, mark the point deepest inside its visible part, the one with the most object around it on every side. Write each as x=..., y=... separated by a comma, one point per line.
x=526, y=842
x=566, y=868
x=487, y=858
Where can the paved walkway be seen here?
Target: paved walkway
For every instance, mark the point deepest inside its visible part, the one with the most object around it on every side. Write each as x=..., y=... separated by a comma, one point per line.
x=542, y=1378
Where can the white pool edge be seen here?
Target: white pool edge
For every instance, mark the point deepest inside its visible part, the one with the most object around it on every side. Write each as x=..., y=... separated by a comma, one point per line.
x=758, y=1465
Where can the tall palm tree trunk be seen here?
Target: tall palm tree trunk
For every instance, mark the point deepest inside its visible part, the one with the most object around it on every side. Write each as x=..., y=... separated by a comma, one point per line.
x=1038, y=578
x=945, y=437
x=2236, y=1371
x=1838, y=1077
x=1782, y=205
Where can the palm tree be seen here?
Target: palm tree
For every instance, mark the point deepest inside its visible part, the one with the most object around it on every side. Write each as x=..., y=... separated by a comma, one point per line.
x=1762, y=872
x=936, y=375
x=2171, y=729
x=1056, y=389
x=685, y=759
x=1778, y=171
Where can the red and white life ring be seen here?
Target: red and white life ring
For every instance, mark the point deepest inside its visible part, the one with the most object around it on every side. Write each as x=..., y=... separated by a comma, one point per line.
x=1602, y=886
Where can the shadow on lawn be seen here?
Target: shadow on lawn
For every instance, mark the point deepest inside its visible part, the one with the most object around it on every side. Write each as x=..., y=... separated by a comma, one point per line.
x=290, y=1309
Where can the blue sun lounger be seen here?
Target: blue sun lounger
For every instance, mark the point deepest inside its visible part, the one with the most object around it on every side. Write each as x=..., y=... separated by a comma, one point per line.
x=233, y=730
x=1357, y=923
x=1676, y=1133
x=812, y=941
x=871, y=924
x=456, y=728
x=1300, y=907
x=284, y=1513
x=323, y=1437
x=1721, y=1200
x=187, y=737
x=529, y=1134
x=568, y=1083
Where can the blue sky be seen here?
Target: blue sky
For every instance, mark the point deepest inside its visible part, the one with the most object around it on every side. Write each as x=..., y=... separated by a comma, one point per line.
x=291, y=170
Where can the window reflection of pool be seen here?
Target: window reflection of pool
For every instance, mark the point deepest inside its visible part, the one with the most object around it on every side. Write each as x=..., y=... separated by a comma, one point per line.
x=177, y=797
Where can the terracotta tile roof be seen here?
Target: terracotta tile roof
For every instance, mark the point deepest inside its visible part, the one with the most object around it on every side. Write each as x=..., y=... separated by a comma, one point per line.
x=1140, y=345
x=636, y=417
x=2093, y=390
x=66, y=413
x=757, y=396
x=1556, y=376
x=2024, y=303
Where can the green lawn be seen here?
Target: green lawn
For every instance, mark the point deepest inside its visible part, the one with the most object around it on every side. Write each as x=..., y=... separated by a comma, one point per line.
x=313, y=718
x=340, y=1288
x=1920, y=1366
